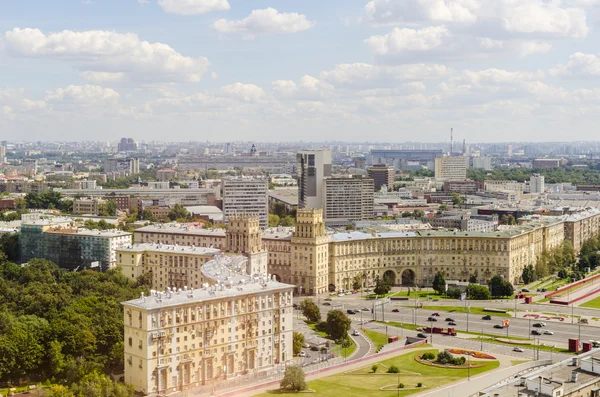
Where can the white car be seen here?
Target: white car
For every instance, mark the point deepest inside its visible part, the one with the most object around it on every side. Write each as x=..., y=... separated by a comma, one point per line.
x=302, y=354
x=355, y=333
x=548, y=332
x=518, y=349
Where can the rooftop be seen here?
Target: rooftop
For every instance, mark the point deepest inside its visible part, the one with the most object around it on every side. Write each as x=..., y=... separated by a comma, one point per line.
x=176, y=228
x=88, y=232
x=186, y=249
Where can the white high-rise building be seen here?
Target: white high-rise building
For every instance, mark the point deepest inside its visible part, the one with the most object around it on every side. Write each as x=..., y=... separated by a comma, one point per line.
x=313, y=166
x=246, y=195
x=536, y=183
x=484, y=163
x=451, y=168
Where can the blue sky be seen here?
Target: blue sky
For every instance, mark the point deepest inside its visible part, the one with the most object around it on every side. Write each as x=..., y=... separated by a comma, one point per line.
x=369, y=70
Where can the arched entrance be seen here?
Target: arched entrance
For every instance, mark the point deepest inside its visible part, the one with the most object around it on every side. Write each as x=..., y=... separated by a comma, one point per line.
x=277, y=277
x=390, y=276
x=408, y=277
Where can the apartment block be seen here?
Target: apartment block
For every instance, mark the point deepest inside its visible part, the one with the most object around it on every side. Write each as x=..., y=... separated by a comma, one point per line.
x=184, y=338
x=246, y=195
x=129, y=166
x=348, y=198
x=451, y=168
x=313, y=166
x=382, y=175
x=87, y=206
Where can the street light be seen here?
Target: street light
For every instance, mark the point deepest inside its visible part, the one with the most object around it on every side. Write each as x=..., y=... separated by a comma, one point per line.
x=431, y=329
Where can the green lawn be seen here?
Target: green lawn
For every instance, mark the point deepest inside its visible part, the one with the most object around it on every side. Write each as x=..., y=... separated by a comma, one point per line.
x=531, y=346
x=462, y=309
x=337, y=349
x=363, y=382
x=377, y=338
x=592, y=304
x=420, y=295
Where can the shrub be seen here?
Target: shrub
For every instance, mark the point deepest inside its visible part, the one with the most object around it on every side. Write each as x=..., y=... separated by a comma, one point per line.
x=445, y=357
x=428, y=356
x=454, y=293
x=374, y=368
x=459, y=361
x=393, y=370
x=400, y=385
x=420, y=384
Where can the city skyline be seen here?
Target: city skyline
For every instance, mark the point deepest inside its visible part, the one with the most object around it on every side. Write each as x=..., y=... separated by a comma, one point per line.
x=196, y=69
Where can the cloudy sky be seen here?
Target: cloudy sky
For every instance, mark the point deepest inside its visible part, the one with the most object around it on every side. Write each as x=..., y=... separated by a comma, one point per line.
x=282, y=70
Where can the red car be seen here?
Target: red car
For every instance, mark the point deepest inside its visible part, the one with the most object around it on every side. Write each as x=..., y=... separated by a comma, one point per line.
x=435, y=314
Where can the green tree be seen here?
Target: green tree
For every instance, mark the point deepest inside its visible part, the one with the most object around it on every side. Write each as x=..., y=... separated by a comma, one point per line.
x=500, y=287
x=338, y=324
x=147, y=216
x=568, y=254
x=456, y=199
x=287, y=221
x=310, y=310
x=178, y=212
x=357, y=282
x=293, y=379
x=528, y=274
x=381, y=286
x=444, y=207
x=297, y=342
x=273, y=220
x=541, y=266
x=9, y=244
x=473, y=279
x=439, y=283
x=478, y=292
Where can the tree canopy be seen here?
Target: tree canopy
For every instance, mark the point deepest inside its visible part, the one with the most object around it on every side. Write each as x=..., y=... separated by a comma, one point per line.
x=310, y=310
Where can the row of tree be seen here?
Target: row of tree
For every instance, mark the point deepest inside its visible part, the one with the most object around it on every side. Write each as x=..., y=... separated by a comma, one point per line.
x=498, y=287
x=336, y=326
x=560, y=260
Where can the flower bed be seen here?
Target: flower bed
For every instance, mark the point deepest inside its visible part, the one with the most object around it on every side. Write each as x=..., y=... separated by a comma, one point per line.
x=472, y=353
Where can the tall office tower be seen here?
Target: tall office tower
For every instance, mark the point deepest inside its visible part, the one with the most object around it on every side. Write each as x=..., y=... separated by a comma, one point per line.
x=313, y=166
x=382, y=175
x=348, y=198
x=310, y=253
x=536, y=183
x=451, y=168
x=246, y=195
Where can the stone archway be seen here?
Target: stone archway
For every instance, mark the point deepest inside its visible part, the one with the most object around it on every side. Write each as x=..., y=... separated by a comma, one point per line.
x=277, y=277
x=408, y=277
x=391, y=276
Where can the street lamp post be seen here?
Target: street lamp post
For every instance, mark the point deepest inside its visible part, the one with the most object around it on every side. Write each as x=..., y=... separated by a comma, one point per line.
x=431, y=330
x=481, y=338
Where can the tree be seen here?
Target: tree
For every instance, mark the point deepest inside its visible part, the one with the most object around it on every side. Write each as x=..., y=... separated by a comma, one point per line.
x=287, y=221
x=381, y=287
x=528, y=274
x=178, y=212
x=500, y=287
x=454, y=293
x=357, y=282
x=393, y=370
x=473, y=279
x=541, y=266
x=273, y=220
x=478, y=292
x=374, y=368
x=297, y=342
x=419, y=213
x=568, y=254
x=310, y=310
x=439, y=283
x=293, y=379
x=147, y=216
x=338, y=324
x=456, y=199
x=444, y=207
x=9, y=244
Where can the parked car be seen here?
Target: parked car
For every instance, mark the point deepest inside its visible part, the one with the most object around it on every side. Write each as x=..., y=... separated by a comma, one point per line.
x=435, y=314
x=535, y=332
x=524, y=290
x=449, y=319
x=326, y=304
x=355, y=333
x=350, y=311
x=544, y=290
x=432, y=319
x=538, y=325
x=518, y=349
x=314, y=348
x=302, y=354
x=306, y=345
x=548, y=332
x=421, y=335
x=451, y=323
x=396, y=310
x=365, y=309
x=486, y=317
x=499, y=326
x=328, y=299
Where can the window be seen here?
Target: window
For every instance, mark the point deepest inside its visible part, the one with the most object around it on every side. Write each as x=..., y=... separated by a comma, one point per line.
x=130, y=342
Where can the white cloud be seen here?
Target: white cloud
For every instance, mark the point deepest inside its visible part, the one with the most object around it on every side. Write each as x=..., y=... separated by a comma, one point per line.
x=214, y=75
x=102, y=77
x=15, y=100
x=83, y=95
x=308, y=88
x=580, y=65
x=400, y=40
x=265, y=21
x=191, y=7
x=521, y=47
x=394, y=11
x=242, y=92
x=364, y=75
x=104, y=51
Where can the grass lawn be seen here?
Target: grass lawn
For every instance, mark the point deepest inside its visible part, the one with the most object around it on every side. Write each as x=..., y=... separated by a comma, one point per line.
x=462, y=309
x=314, y=328
x=377, y=338
x=541, y=347
x=420, y=295
x=592, y=304
x=363, y=382
x=374, y=296
x=337, y=349
x=414, y=328
x=517, y=362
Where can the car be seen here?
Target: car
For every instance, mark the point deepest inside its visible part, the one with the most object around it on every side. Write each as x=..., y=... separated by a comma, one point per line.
x=314, y=348
x=350, y=311
x=295, y=306
x=365, y=309
x=306, y=345
x=355, y=333
x=302, y=354
x=307, y=355
x=538, y=325
x=451, y=323
x=524, y=290
x=535, y=332
x=432, y=319
x=326, y=304
x=499, y=326
x=328, y=299
x=435, y=315
x=486, y=317
x=518, y=349
x=543, y=290
x=368, y=290
x=548, y=332
x=341, y=294
x=449, y=319
x=421, y=335
x=396, y=310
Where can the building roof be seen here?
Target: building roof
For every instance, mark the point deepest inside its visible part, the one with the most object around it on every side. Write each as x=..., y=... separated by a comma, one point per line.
x=279, y=233
x=176, y=228
x=180, y=249
x=88, y=232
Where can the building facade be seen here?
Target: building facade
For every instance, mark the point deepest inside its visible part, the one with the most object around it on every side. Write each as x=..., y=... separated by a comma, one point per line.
x=451, y=168
x=382, y=175
x=183, y=338
x=348, y=198
x=313, y=167
x=87, y=206
x=245, y=195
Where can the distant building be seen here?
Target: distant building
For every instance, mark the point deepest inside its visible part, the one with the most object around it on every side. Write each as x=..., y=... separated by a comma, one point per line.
x=484, y=163
x=88, y=206
x=451, y=168
x=348, y=198
x=382, y=175
x=127, y=166
x=468, y=187
x=546, y=163
x=158, y=185
x=406, y=159
x=246, y=195
x=88, y=185
x=166, y=174
x=127, y=145
x=313, y=167
x=536, y=183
